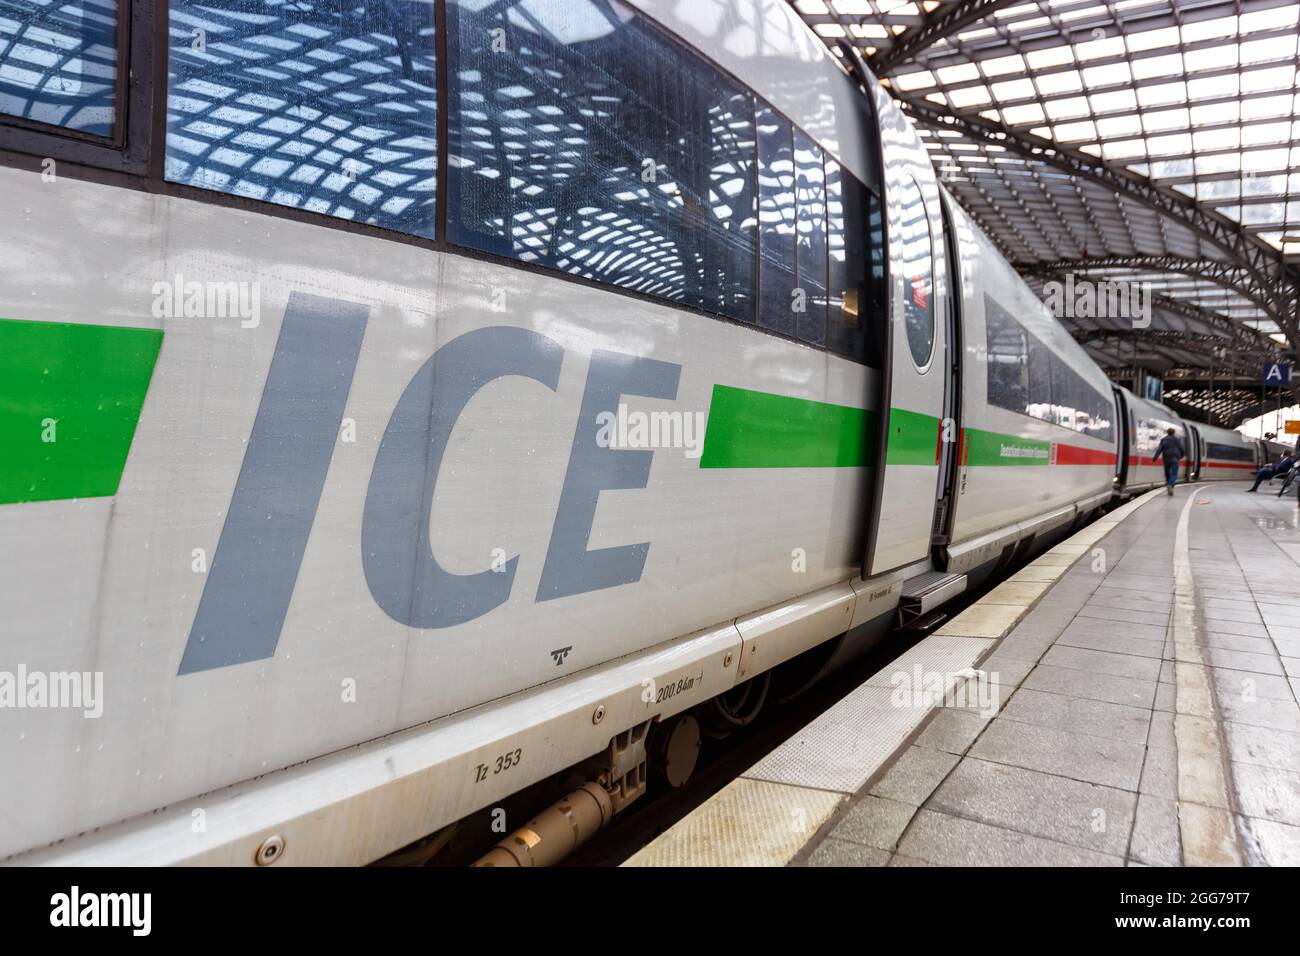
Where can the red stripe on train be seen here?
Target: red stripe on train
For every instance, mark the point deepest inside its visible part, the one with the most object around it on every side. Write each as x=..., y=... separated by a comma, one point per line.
x=1077, y=455
x=1135, y=460
x=1228, y=464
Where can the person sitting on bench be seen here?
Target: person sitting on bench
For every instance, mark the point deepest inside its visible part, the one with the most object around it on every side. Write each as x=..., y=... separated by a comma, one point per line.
x=1274, y=471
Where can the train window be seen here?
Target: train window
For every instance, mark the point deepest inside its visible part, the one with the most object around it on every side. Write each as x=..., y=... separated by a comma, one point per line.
x=1008, y=359
x=1078, y=406
x=320, y=106
x=811, y=259
x=1229, y=452
x=1039, y=398
x=1026, y=376
x=918, y=289
x=846, y=217
x=777, y=222
x=59, y=63
x=582, y=139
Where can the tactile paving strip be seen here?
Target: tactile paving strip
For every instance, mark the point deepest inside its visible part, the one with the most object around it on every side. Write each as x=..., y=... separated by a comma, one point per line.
x=746, y=823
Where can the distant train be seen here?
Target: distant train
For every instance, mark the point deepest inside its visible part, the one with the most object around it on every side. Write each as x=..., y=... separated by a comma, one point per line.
x=419, y=410
x=1213, y=454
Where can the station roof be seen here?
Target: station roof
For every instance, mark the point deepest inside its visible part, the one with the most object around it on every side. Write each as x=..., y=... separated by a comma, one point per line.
x=1151, y=141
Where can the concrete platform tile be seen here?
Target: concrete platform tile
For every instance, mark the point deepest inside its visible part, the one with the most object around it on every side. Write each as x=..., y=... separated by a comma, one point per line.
x=874, y=821
x=947, y=840
x=1270, y=843
x=1160, y=732
x=1038, y=572
x=915, y=775
x=832, y=852
x=1236, y=627
x=1156, y=839
x=1126, y=616
x=1160, y=774
x=1103, y=662
x=983, y=620
x=1107, y=687
x=1127, y=601
x=1262, y=712
x=1069, y=811
x=1080, y=716
x=1245, y=684
x=1239, y=642
x=1232, y=614
x=1244, y=661
x=1006, y=670
x=952, y=731
x=1021, y=593
x=1098, y=760
x=1262, y=745
x=1268, y=792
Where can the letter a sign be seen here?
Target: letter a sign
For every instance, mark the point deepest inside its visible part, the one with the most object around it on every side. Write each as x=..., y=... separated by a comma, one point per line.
x=1277, y=374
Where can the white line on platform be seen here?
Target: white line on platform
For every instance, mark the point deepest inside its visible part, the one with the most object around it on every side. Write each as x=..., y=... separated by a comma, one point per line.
x=1205, y=807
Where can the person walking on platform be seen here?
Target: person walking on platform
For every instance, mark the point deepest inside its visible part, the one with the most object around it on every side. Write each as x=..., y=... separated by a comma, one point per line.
x=1274, y=471
x=1172, y=451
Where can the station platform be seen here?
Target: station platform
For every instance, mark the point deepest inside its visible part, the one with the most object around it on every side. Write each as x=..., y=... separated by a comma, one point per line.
x=1129, y=698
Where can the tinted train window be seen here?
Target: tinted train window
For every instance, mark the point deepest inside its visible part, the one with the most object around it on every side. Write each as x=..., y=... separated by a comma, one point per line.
x=810, y=200
x=777, y=222
x=1229, y=452
x=582, y=139
x=1077, y=405
x=313, y=104
x=1039, y=398
x=1008, y=359
x=58, y=63
x=1026, y=376
x=848, y=304
x=918, y=288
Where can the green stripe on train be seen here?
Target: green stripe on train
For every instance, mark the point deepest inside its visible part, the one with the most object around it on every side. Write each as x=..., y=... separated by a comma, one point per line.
x=69, y=402
x=750, y=429
x=913, y=438
x=991, y=448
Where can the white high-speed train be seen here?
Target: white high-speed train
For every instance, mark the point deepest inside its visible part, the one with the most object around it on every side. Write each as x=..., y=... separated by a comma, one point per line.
x=407, y=405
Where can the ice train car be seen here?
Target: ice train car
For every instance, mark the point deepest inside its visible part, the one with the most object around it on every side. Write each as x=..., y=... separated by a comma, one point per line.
x=413, y=406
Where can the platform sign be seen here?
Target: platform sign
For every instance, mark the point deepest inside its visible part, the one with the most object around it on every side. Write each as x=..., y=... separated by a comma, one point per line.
x=1292, y=428
x=1278, y=373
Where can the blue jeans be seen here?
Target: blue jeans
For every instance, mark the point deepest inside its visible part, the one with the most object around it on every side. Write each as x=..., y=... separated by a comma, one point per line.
x=1265, y=472
x=1171, y=472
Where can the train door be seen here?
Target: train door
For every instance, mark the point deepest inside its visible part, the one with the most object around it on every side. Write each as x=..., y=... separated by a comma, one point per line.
x=950, y=423
x=1193, y=452
x=1123, y=438
x=910, y=440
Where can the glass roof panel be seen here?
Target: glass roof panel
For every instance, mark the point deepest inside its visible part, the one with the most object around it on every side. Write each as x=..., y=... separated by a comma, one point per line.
x=1198, y=100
